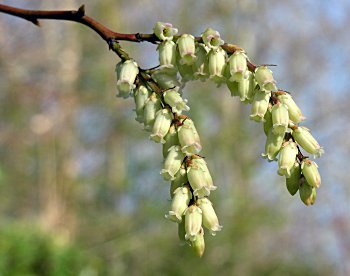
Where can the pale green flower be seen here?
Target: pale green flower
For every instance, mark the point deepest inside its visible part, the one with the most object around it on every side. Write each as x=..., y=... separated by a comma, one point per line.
x=189, y=138
x=209, y=217
x=287, y=157
x=179, y=203
x=164, y=31
x=273, y=145
x=161, y=125
x=172, y=163
x=293, y=110
x=141, y=94
x=280, y=118
x=198, y=244
x=264, y=78
x=259, y=106
x=193, y=222
x=126, y=74
x=310, y=171
x=211, y=38
x=238, y=66
x=187, y=49
x=304, y=138
x=152, y=106
x=293, y=182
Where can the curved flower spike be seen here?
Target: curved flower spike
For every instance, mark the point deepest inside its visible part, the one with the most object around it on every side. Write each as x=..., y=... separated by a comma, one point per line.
x=164, y=31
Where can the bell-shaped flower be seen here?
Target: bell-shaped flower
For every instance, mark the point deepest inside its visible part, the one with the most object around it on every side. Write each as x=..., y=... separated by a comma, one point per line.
x=187, y=49
x=238, y=66
x=200, y=66
x=171, y=139
x=246, y=88
x=280, y=118
x=167, y=55
x=164, y=31
x=126, y=74
x=310, y=172
x=173, y=98
x=179, y=203
x=193, y=222
x=268, y=120
x=307, y=193
x=161, y=125
x=199, y=177
x=259, y=106
x=287, y=157
x=172, y=163
x=264, y=78
x=198, y=244
x=211, y=38
x=152, y=106
x=217, y=64
x=189, y=138
x=293, y=182
x=304, y=138
x=293, y=110
x=273, y=145
x=209, y=217
x=166, y=78
x=180, y=180
x=141, y=94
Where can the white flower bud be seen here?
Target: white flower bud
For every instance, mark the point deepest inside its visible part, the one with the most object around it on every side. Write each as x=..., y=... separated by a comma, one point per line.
x=126, y=74
x=217, y=64
x=209, y=217
x=259, y=106
x=166, y=78
x=263, y=76
x=179, y=203
x=273, y=145
x=238, y=66
x=293, y=110
x=193, y=222
x=152, y=106
x=167, y=54
x=187, y=49
x=304, y=138
x=172, y=97
x=211, y=38
x=172, y=163
x=287, y=158
x=198, y=244
x=171, y=139
x=307, y=193
x=200, y=66
x=141, y=94
x=280, y=118
x=310, y=172
x=189, y=138
x=161, y=125
x=293, y=182
x=164, y=31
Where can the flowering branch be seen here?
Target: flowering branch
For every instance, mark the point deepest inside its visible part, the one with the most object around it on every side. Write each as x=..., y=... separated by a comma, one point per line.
x=159, y=107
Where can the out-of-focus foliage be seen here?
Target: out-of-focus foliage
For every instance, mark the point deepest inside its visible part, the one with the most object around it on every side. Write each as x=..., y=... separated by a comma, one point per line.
x=74, y=160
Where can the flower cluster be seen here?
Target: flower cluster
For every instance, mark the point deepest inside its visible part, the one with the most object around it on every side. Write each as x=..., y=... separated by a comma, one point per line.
x=159, y=106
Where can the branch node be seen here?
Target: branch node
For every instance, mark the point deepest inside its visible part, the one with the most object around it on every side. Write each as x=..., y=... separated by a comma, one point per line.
x=81, y=11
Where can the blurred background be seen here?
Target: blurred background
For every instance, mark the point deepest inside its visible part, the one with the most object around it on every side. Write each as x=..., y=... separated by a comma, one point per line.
x=80, y=190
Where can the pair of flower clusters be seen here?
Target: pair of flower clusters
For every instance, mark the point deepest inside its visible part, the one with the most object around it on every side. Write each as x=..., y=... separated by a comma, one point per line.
x=159, y=106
